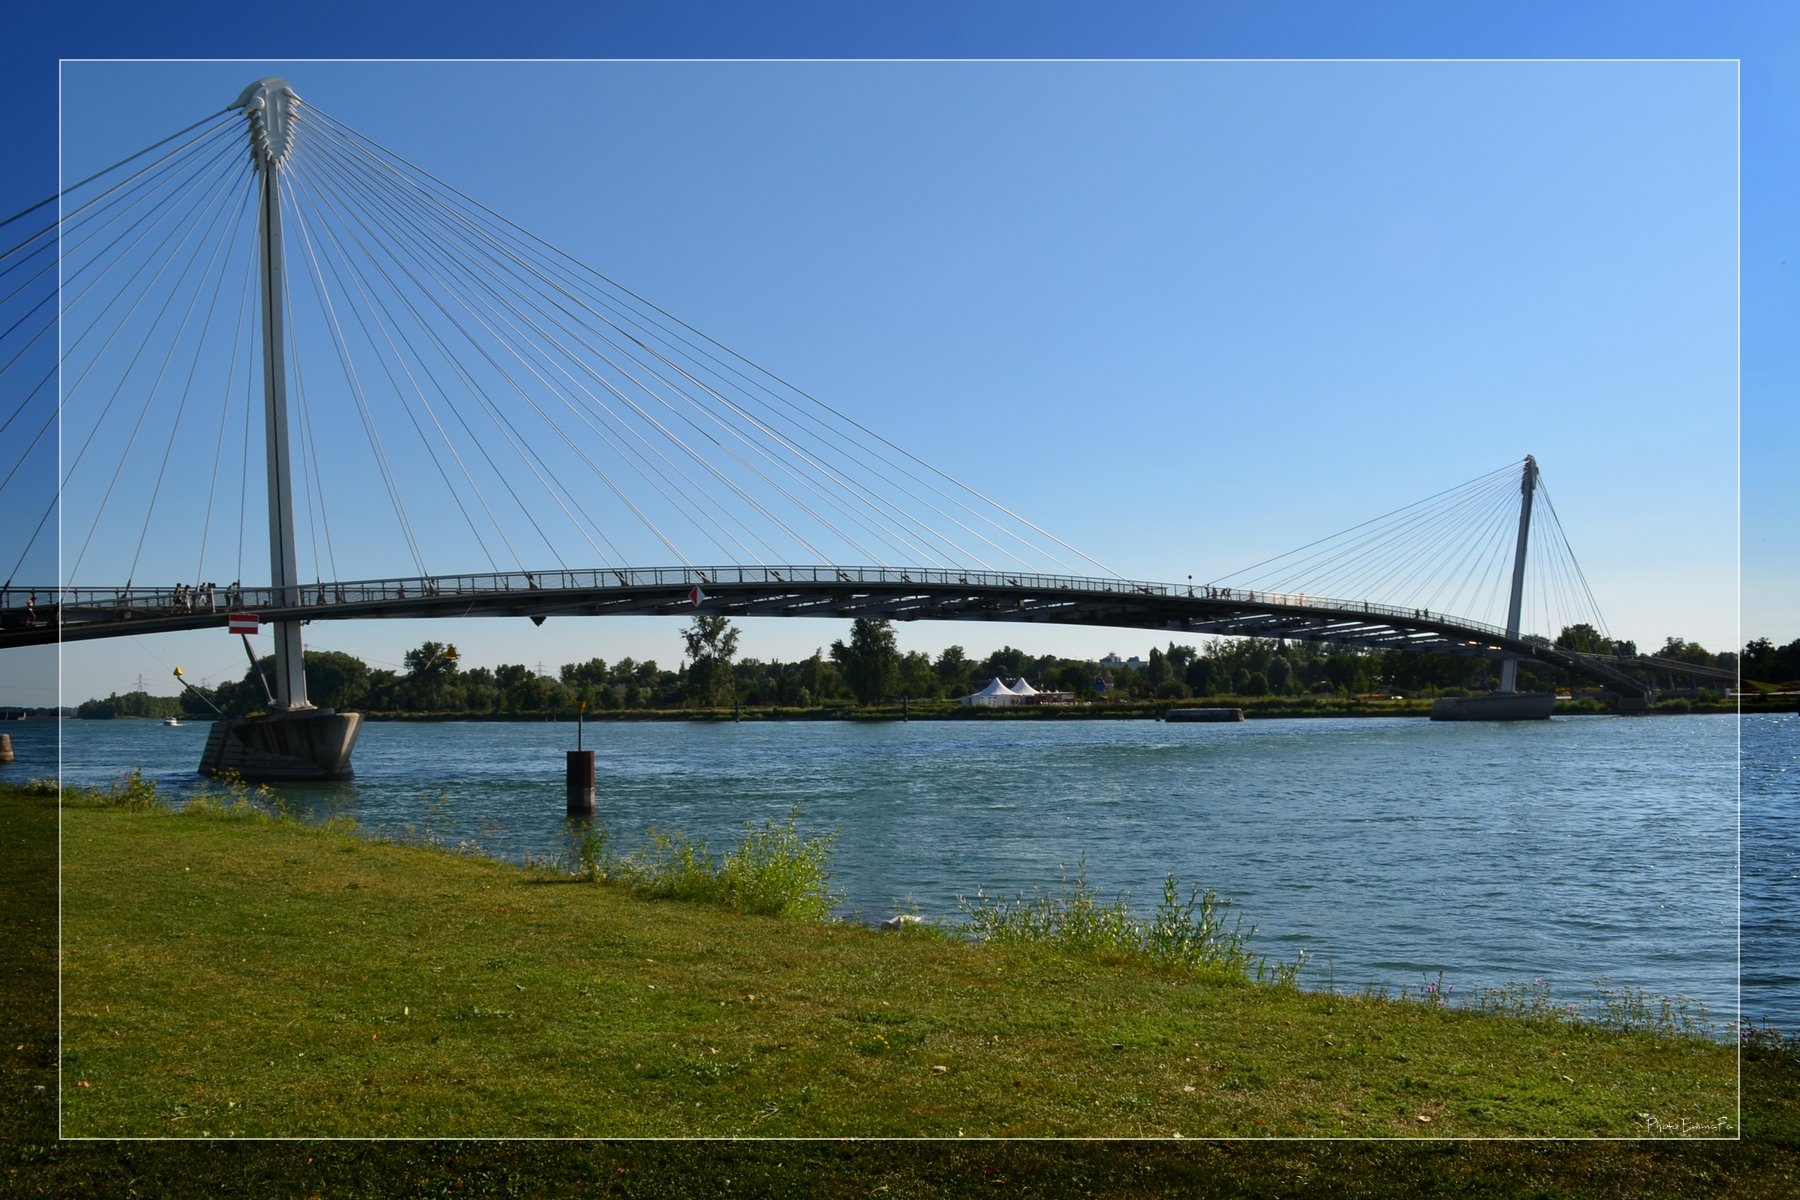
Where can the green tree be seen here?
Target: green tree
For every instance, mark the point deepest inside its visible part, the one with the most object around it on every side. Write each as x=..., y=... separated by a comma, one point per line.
x=918, y=679
x=1584, y=639
x=1684, y=651
x=430, y=677
x=953, y=667
x=585, y=680
x=1766, y=662
x=335, y=679
x=871, y=661
x=711, y=646
x=1006, y=663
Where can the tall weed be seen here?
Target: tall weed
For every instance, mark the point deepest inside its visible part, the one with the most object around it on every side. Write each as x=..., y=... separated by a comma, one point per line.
x=775, y=871
x=1194, y=933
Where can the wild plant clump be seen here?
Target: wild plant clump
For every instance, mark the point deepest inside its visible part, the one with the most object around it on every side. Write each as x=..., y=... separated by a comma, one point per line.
x=1634, y=1010
x=775, y=871
x=1190, y=934
x=131, y=792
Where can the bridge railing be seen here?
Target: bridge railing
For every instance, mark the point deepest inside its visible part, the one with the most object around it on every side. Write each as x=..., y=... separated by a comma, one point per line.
x=124, y=603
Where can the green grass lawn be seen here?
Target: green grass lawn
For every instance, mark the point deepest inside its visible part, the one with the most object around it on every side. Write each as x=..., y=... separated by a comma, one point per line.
x=226, y=976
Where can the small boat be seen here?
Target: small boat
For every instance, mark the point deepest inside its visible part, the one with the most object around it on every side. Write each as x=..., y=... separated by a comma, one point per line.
x=175, y=721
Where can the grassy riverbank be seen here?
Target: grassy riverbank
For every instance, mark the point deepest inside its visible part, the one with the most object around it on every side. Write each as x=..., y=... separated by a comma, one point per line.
x=227, y=974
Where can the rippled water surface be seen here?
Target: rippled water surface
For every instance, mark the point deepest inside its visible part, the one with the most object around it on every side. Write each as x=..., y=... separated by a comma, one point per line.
x=1389, y=850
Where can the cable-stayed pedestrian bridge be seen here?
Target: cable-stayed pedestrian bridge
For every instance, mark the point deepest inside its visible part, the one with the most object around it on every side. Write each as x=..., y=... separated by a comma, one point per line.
x=411, y=378
x=892, y=593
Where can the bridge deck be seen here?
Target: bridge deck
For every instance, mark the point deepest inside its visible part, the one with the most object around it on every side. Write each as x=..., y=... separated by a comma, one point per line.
x=44, y=615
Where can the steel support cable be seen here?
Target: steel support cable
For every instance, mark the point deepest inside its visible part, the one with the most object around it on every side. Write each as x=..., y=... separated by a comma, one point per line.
x=327, y=231
x=1401, y=568
x=310, y=476
x=244, y=459
x=524, y=395
x=488, y=237
x=874, y=503
x=862, y=453
x=49, y=421
x=1580, y=575
x=649, y=418
x=593, y=467
x=356, y=391
x=67, y=358
x=1490, y=539
x=533, y=462
x=27, y=398
x=1362, y=564
x=51, y=321
x=534, y=302
x=623, y=425
x=1564, y=606
x=511, y=258
x=1350, y=565
x=27, y=344
x=54, y=197
x=1402, y=574
x=1544, y=586
x=503, y=424
x=511, y=381
x=213, y=478
x=1222, y=580
x=24, y=251
x=1481, y=567
x=873, y=499
x=522, y=447
x=1426, y=551
x=955, y=483
x=225, y=231
x=1349, y=568
x=222, y=199
x=475, y=439
x=1418, y=535
x=533, y=356
x=37, y=529
x=1397, y=566
x=58, y=236
x=317, y=518
x=387, y=326
x=46, y=298
x=151, y=203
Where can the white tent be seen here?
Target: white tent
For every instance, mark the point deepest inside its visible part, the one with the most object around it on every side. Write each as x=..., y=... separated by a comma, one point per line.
x=1022, y=688
x=993, y=695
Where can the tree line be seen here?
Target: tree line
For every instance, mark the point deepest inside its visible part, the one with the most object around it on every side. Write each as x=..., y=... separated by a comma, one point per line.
x=869, y=667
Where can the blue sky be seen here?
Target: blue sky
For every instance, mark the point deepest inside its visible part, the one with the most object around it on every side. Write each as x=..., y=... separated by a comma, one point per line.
x=1183, y=314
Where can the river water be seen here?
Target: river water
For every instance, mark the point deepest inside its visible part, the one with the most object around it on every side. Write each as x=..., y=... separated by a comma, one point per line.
x=1387, y=849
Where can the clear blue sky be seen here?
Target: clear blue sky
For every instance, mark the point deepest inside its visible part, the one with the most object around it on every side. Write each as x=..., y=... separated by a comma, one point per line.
x=1182, y=314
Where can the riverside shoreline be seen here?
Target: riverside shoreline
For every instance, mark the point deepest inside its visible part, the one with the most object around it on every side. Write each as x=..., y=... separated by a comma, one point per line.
x=1764, y=1163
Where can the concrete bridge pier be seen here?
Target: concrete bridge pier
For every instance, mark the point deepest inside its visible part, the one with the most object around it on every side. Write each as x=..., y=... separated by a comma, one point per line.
x=309, y=745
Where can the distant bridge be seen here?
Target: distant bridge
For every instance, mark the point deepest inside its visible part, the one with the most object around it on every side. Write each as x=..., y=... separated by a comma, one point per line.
x=893, y=593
